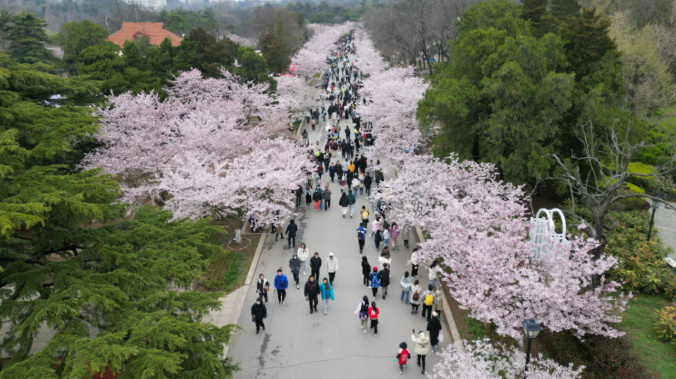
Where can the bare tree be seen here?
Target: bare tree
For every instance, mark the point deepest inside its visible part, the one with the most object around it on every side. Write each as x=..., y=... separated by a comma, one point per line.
x=597, y=178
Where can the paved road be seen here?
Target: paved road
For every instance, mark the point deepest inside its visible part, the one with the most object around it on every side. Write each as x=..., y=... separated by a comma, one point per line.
x=297, y=344
x=665, y=222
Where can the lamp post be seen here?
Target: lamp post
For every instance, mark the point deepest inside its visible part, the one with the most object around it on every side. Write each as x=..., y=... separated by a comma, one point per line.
x=532, y=330
x=655, y=205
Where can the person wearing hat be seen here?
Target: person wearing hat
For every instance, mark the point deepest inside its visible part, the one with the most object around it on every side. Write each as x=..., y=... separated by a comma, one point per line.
x=281, y=283
x=434, y=327
x=332, y=267
x=422, y=347
x=402, y=356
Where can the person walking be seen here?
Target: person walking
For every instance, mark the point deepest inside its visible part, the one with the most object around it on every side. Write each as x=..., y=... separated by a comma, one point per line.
x=332, y=172
x=373, y=316
x=405, y=284
x=402, y=356
x=366, y=270
x=378, y=239
x=384, y=259
x=429, y=299
x=299, y=193
x=315, y=265
x=258, y=313
x=279, y=231
x=350, y=201
x=294, y=265
x=386, y=237
x=308, y=194
x=415, y=296
x=368, y=180
x=364, y=216
x=317, y=198
x=375, y=281
x=326, y=291
x=311, y=292
x=394, y=233
x=332, y=267
x=327, y=198
x=343, y=202
x=422, y=347
x=375, y=226
x=439, y=306
x=303, y=255
x=434, y=274
x=262, y=287
x=384, y=280
x=416, y=259
x=363, y=312
x=291, y=230
x=407, y=232
x=361, y=237
x=434, y=327
x=281, y=284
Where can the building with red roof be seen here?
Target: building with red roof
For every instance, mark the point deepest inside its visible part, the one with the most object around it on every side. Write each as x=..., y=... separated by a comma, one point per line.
x=155, y=30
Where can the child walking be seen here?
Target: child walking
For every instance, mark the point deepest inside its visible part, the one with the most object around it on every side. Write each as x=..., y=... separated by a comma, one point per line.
x=402, y=356
x=373, y=315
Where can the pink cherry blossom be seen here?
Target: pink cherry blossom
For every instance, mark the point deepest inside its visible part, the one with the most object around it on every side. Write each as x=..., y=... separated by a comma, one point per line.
x=481, y=359
x=197, y=150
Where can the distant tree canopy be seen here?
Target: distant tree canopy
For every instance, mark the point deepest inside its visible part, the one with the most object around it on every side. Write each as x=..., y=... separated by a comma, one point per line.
x=511, y=93
x=325, y=13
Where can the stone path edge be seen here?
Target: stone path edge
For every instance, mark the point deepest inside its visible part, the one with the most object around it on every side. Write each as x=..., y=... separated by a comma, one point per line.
x=243, y=290
x=448, y=319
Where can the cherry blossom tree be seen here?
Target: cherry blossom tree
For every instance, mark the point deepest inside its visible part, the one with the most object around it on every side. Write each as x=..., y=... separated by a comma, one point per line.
x=312, y=57
x=481, y=359
x=478, y=226
x=198, y=152
x=243, y=41
x=296, y=94
x=370, y=60
x=393, y=98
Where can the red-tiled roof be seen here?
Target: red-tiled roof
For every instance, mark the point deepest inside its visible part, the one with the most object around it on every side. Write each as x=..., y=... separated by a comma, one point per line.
x=154, y=30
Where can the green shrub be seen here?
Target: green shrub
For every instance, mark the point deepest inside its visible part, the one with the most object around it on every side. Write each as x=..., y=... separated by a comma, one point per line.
x=665, y=322
x=646, y=182
x=475, y=328
x=641, y=265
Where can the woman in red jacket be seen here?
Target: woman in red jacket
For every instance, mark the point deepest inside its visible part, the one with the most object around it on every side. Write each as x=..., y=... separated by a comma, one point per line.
x=373, y=315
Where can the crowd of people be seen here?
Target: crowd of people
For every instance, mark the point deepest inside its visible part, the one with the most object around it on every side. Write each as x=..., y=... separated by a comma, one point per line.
x=356, y=177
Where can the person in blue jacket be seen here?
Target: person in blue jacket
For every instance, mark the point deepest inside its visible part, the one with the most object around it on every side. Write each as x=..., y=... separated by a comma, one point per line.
x=281, y=284
x=291, y=232
x=326, y=291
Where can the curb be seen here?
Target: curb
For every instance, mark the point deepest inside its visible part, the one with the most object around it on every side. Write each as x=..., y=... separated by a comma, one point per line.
x=450, y=321
x=243, y=290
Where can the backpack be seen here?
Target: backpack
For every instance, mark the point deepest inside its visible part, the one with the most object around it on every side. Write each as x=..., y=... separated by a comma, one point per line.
x=363, y=312
x=416, y=297
x=386, y=225
x=429, y=299
x=375, y=282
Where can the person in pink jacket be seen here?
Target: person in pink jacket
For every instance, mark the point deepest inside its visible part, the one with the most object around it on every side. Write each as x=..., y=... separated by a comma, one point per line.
x=394, y=233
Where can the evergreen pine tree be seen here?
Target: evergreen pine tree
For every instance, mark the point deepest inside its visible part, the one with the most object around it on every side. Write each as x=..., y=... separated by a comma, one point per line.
x=274, y=52
x=27, y=39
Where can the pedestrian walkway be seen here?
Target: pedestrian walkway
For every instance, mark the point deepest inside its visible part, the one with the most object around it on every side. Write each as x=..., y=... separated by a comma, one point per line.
x=665, y=222
x=297, y=344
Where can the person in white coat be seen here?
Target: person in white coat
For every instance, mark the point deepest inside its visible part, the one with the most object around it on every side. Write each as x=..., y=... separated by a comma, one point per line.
x=384, y=260
x=332, y=267
x=422, y=347
x=303, y=255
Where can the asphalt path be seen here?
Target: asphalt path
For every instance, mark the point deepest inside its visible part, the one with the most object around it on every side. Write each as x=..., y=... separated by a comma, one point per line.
x=297, y=344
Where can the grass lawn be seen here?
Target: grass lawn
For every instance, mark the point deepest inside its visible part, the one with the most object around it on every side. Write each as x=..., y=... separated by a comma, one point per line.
x=658, y=357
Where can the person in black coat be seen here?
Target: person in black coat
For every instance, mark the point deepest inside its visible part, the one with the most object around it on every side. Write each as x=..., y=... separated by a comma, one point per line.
x=367, y=183
x=258, y=313
x=291, y=232
x=384, y=276
x=366, y=271
x=434, y=327
x=311, y=292
x=315, y=265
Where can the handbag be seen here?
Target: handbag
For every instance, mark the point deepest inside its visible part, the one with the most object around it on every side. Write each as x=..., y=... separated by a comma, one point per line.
x=441, y=337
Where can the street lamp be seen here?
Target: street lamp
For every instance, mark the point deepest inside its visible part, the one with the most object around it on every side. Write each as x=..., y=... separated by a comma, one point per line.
x=655, y=205
x=532, y=330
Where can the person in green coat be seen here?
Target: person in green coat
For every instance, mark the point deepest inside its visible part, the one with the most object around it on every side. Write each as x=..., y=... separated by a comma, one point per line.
x=350, y=202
